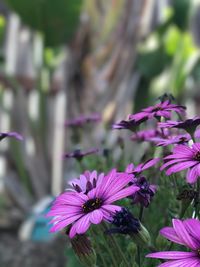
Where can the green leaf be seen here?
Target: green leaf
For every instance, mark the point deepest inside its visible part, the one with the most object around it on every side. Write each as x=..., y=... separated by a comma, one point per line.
x=57, y=20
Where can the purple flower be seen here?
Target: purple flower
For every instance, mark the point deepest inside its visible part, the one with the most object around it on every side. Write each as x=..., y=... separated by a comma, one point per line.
x=87, y=181
x=184, y=157
x=186, y=233
x=81, y=120
x=80, y=210
x=147, y=135
x=129, y=124
x=189, y=125
x=162, y=109
x=78, y=154
x=174, y=140
x=146, y=192
x=141, y=167
x=11, y=134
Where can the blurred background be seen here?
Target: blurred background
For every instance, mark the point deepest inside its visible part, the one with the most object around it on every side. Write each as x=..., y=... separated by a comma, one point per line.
x=62, y=62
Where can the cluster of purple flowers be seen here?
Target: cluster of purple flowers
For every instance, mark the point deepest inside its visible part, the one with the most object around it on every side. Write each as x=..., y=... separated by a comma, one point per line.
x=91, y=197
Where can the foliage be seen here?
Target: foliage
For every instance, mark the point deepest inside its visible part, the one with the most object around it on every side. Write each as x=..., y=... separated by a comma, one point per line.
x=57, y=20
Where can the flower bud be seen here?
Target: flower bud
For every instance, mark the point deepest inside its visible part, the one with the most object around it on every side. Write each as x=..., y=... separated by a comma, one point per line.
x=84, y=251
x=142, y=237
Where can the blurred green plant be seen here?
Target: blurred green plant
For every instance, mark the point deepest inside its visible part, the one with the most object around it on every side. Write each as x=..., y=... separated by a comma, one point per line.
x=57, y=20
x=168, y=58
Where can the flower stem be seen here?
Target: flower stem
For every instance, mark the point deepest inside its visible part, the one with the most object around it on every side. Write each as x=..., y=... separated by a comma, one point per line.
x=141, y=212
x=117, y=247
x=197, y=199
x=94, y=234
x=138, y=256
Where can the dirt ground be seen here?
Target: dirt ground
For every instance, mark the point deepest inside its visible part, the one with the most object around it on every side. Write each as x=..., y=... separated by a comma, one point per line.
x=14, y=253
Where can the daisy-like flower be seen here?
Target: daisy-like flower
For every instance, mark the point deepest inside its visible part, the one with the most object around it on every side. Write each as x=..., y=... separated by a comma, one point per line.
x=128, y=124
x=184, y=157
x=186, y=233
x=189, y=125
x=162, y=109
x=79, y=154
x=174, y=140
x=84, y=119
x=146, y=135
x=80, y=210
x=11, y=134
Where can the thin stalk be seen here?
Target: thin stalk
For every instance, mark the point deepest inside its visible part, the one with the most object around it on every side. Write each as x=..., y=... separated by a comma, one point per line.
x=138, y=256
x=141, y=212
x=93, y=234
x=107, y=247
x=117, y=248
x=198, y=199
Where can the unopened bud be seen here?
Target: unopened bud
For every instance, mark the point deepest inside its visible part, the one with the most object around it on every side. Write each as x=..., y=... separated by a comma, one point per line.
x=142, y=237
x=84, y=250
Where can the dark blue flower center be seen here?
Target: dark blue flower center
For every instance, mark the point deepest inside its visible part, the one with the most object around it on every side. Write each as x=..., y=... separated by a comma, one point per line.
x=197, y=156
x=92, y=204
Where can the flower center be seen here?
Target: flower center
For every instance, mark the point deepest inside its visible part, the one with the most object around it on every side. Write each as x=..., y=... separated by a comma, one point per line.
x=92, y=204
x=197, y=156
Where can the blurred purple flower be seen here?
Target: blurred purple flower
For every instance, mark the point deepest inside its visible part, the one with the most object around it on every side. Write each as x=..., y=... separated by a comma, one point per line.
x=78, y=154
x=174, y=140
x=162, y=109
x=184, y=157
x=11, y=134
x=186, y=233
x=129, y=124
x=150, y=135
x=80, y=121
x=146, y=192
x=189, y=125
x=81, y=210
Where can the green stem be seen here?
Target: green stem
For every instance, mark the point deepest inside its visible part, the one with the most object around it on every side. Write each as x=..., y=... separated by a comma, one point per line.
x=94, y=234
x=138, y=256
x=108, y=248
x=197, y=199
x=141, y=212
x=117, y=247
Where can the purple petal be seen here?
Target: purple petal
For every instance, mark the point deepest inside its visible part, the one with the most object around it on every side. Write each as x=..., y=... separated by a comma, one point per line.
x=11, y=134
x=121, y=181
x=183, y=234
x=169, y=233
x=170, y=162
x=172, y=255
x=190, y=262
x=62, y=224
x=150, y=163
x=111, y=208
x=122, y=194
x=96, y=216
x=183, y=150
x=192, y=175
x=82, y=224
x=180, y=166
x=193, y=227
